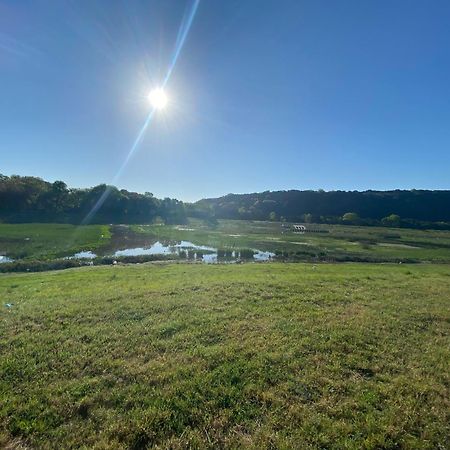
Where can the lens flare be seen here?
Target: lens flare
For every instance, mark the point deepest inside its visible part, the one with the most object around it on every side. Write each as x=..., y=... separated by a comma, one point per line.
x=158, y=98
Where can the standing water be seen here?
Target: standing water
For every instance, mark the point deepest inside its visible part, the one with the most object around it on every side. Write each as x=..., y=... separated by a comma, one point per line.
x=187, y=250
x=5, y=259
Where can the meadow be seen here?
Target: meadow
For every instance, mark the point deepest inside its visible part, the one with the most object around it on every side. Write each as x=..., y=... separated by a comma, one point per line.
x=50, y=240
x=272, y=355
x=326, y=243
x=31, y=243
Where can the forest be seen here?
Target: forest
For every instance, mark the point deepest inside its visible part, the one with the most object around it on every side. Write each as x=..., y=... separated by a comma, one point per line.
x=397, y=208
x=31, y=199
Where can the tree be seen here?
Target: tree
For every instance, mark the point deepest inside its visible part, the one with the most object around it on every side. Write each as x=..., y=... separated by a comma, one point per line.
x=351, y=218
x=273, y=216
x=393, y=220
x=31, y=199
x=58, y=196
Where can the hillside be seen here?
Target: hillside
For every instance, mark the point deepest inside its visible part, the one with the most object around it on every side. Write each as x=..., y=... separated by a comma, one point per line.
x=31, y=199
x=400, y=207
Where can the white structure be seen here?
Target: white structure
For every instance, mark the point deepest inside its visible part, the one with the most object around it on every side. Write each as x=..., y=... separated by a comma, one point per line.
x=299, y=228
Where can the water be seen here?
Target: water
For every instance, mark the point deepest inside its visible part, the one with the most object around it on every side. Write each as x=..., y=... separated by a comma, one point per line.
x=5, y=259
x=207, y=254
x=184, y=249
x=84, y=255
x=156, y=249
x=210, y=258
x=263, y=256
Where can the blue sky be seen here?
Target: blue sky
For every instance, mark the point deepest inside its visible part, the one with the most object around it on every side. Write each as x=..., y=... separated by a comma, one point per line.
x=265, y=95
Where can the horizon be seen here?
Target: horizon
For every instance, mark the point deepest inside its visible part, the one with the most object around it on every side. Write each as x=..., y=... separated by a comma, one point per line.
x=304, y=97
x=206, y=197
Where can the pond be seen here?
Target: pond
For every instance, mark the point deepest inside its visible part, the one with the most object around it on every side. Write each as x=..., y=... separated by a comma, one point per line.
x=84, y=255
x=5, y=259
x=185, y=250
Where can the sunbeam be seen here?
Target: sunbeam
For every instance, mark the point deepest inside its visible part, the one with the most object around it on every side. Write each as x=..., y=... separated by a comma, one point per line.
x=181, y=39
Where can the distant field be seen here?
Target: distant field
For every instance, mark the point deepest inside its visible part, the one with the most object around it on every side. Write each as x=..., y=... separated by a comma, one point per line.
x=229, y=356
x=26, y=243
x=49, y=240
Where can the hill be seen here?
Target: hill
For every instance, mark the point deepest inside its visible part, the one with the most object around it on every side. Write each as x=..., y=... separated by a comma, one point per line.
x=31, y=199
x=410, y=208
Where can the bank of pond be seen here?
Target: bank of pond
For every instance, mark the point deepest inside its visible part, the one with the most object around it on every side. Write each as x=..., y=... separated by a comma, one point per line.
x=221, y=257
x=40, y=247
x=182, y=251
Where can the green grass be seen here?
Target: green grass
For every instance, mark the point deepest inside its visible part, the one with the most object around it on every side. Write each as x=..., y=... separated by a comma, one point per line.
x=339, y=243
x=31, y=242
x=352, y=356
x=50, y=240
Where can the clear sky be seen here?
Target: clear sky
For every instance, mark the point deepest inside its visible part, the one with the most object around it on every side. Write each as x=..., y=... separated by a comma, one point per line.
x=265, y=95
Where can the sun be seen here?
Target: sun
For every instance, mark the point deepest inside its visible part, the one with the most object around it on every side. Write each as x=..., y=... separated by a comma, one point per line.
x=158, y=98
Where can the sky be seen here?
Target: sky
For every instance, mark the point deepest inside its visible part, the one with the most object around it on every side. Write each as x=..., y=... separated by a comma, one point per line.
x=263, y=94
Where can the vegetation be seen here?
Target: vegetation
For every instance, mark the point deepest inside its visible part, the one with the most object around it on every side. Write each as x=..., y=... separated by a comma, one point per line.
x=229, y=356
x=67, y=263
x=31, y=199
x=335, y=243
x=408, y=209
x=48, y=241
x=39, y=247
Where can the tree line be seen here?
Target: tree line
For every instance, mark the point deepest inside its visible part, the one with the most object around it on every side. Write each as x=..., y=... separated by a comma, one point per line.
x=31, y=199
x=398, y=208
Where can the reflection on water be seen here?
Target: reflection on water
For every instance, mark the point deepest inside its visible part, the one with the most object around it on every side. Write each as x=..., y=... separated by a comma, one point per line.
x=263, y=256
x=190, y=250
x=85, y=255
x=161, y=249
x=5, y=259
x=210, y=259
x=186, y=250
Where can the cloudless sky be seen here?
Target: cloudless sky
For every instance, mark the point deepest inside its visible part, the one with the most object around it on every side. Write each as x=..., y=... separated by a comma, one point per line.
x=265, y=95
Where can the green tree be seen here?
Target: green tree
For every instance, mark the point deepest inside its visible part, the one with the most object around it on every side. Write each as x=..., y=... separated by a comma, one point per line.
x=351, y=218
x=393, y=220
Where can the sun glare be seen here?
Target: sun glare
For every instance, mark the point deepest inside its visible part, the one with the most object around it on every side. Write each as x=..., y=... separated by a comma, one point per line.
x=158, y=98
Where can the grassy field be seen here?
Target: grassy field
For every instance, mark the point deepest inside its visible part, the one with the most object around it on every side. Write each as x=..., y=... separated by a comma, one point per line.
x=29, y=242
x=337, y=243
x=50, y=240
x=352, y=356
